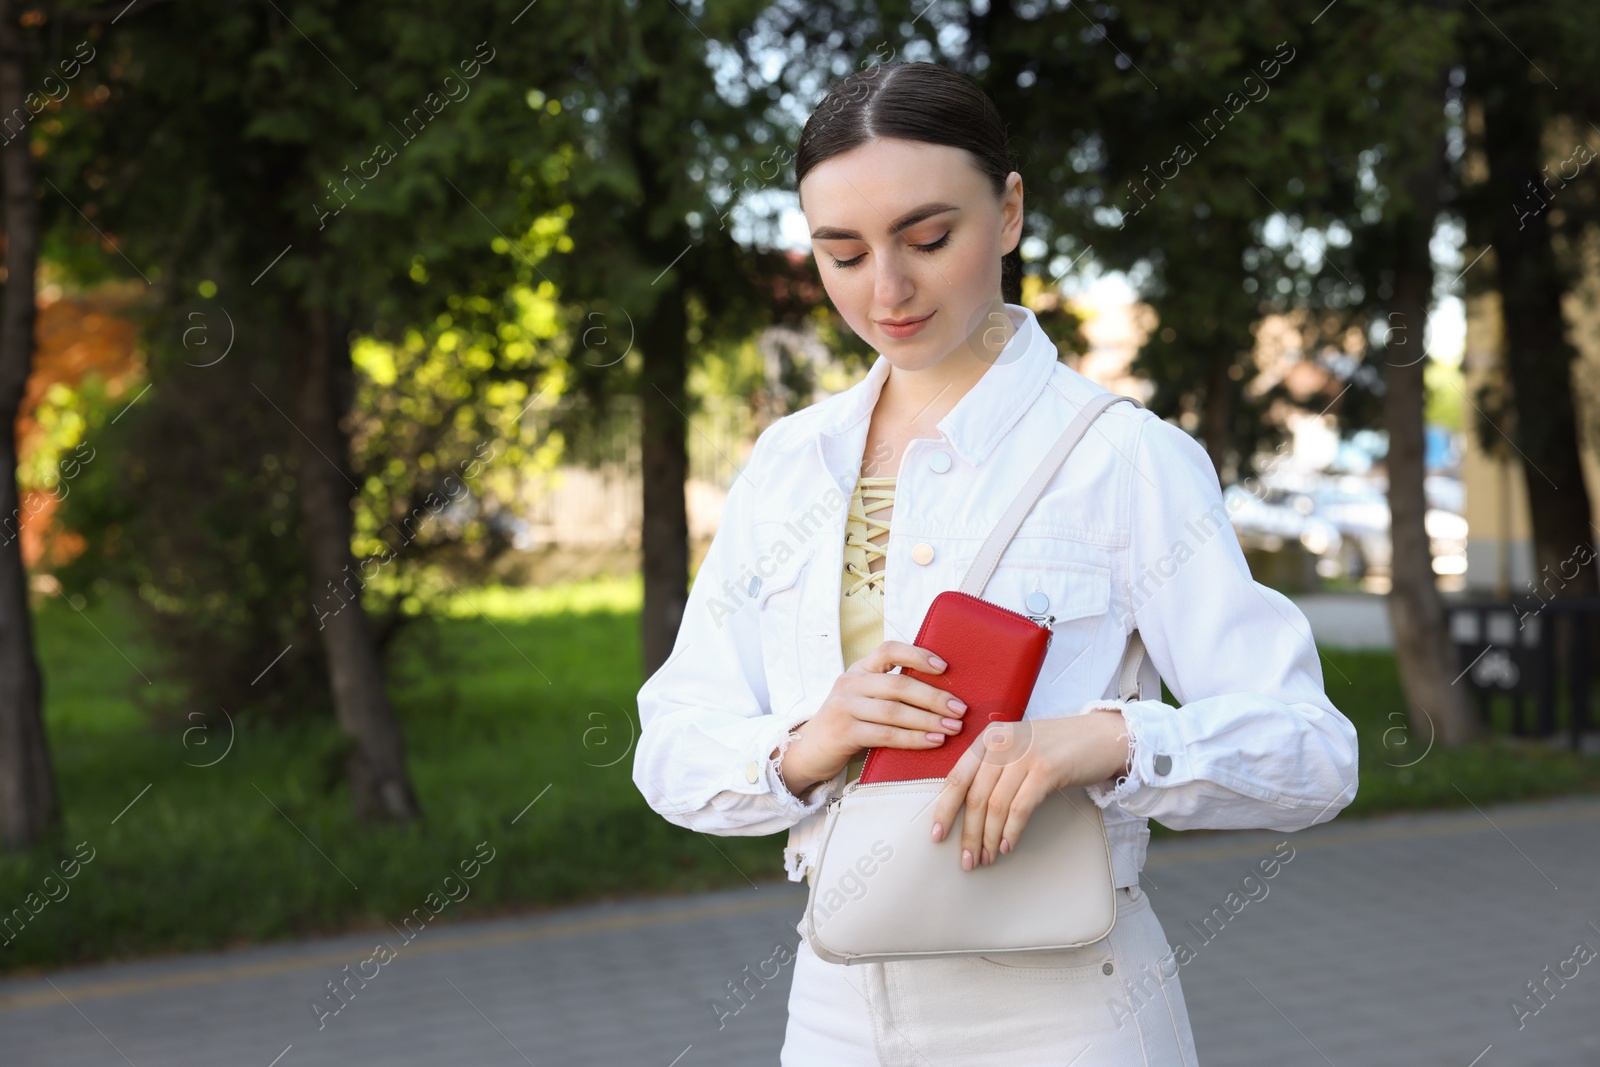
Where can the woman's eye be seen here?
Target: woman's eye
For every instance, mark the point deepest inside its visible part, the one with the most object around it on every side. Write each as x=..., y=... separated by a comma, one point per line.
x=932, y=246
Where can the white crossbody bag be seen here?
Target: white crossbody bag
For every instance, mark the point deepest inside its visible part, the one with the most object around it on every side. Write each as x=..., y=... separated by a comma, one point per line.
x=882, y=889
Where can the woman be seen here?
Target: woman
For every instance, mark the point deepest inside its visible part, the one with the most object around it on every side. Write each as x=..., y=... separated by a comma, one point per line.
x=755, y=721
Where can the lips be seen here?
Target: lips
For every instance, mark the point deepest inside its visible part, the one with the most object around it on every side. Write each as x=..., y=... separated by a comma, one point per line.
x=905, y=329
x=903, y=322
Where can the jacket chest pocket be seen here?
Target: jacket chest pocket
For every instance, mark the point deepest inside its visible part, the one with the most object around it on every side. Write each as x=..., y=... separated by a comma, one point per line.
x=1077, y=595
x=777, y=601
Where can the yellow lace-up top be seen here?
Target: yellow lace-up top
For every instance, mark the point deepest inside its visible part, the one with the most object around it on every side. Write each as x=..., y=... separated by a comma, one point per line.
x=861, y=600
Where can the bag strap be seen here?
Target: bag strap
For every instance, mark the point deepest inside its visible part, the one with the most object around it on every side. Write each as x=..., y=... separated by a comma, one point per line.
x=1136, y=674
x=989, y=555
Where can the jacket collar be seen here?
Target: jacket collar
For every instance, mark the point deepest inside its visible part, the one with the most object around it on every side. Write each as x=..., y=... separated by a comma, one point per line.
x=978, y=420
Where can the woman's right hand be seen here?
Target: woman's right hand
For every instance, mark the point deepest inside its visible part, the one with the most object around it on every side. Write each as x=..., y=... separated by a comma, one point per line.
x=873, y=706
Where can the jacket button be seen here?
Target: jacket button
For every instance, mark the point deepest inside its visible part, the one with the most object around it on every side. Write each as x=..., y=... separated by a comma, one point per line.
x=1162, y=763
x=922, y=553
x=939, y=461
x=1038, y=602
x=752, y=772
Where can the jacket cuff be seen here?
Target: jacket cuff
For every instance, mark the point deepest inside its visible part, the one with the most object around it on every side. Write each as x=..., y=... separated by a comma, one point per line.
x=777, y=735
x=799, y=853
x=1157, y=756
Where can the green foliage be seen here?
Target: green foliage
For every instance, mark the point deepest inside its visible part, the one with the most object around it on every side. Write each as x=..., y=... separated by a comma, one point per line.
x=59, y=455
x=188, y=502
x=318, y=164
x=441, y=180
x=443, y=441
x=1446, y=404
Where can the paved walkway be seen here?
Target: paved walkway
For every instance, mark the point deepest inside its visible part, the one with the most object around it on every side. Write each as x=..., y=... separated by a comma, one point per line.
x=1394, y=941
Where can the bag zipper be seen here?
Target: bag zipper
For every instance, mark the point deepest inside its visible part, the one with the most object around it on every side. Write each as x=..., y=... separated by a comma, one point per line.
x=858, y=784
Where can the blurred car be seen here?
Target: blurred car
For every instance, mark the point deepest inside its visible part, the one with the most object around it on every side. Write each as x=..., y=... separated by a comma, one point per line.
x=1360, y=511
x=1276, y=516
x=1344, y=521
x=1447, y=532
x=1445, y=493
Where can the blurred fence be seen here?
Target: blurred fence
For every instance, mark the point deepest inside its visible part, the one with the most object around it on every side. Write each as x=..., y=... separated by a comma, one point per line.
x=1532, y=661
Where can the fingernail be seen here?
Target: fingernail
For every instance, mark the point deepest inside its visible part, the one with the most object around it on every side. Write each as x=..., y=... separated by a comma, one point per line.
x=937, y=830
x=936, y=737
x=938, y=662
x=1005, y=846
x=985, y=857
x=954, y=724
x=966, y=859
x=957, y=704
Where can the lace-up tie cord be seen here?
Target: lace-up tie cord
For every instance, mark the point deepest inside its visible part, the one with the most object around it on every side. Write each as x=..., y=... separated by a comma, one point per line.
x=874, y=495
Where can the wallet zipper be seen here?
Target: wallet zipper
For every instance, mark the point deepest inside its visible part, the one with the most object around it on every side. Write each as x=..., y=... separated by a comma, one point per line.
x=1048, y=622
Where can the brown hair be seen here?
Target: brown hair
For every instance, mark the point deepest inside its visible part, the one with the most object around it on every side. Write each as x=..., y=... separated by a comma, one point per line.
x=914, y=102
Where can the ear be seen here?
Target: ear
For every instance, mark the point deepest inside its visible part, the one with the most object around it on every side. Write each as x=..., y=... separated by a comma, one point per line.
x=1011, y=213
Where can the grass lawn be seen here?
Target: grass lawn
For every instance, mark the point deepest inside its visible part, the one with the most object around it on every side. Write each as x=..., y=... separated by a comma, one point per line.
x=519, y=697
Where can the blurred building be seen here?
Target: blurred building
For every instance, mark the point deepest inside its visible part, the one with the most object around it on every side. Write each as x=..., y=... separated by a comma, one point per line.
x=1499, y=544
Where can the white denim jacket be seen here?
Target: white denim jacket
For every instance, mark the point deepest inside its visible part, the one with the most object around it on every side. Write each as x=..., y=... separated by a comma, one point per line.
x=1130, y=532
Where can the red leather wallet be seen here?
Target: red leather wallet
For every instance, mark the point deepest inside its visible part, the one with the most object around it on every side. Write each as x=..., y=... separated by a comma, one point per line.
x=993, y=657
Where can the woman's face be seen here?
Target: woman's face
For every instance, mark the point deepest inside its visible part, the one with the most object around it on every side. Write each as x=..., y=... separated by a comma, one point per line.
x=908, y=238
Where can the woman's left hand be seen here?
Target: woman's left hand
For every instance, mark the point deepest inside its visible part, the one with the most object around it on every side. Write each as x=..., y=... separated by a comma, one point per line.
x=1011, y=767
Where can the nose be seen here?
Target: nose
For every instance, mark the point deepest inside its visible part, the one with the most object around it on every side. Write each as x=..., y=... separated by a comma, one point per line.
x=891, y=286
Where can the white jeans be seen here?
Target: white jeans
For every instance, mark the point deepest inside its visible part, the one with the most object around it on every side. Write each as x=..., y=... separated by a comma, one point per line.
x=1114, y=1003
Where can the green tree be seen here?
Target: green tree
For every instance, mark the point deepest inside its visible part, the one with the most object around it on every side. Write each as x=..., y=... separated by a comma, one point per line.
x=308, y=181
x=665, y=142
x=1159, y=136
x=1417, y=178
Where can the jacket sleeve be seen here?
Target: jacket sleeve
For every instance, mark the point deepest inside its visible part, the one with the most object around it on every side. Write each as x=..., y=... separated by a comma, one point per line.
x=706, y=727
x=1254, y=743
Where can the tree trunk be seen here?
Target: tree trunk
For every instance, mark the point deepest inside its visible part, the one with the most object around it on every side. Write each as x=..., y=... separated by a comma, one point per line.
x=28, y=806
x=1437, y=708
x=665, y=460
x=1216, y=423
x=1538, y=355
x=319, y=367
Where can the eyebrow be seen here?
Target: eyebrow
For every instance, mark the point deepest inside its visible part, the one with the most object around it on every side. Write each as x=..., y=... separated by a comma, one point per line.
x=909, y=219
